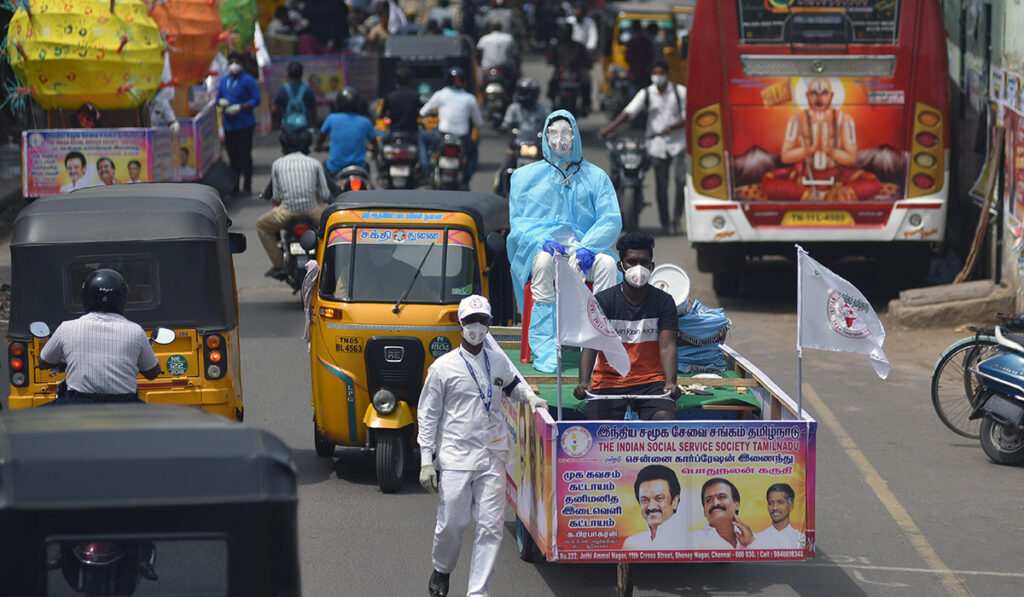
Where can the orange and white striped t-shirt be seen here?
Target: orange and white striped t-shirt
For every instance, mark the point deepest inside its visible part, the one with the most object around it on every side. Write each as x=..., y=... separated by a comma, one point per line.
x=638, y=325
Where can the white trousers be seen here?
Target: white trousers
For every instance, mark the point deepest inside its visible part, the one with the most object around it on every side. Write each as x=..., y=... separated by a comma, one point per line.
x=602, y=274
x=465, y=496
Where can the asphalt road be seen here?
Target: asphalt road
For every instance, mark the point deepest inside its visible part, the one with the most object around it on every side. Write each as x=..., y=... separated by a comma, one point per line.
x=904, y=506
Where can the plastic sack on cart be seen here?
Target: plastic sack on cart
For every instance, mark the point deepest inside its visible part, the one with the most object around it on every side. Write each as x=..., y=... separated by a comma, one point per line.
x=701, y=332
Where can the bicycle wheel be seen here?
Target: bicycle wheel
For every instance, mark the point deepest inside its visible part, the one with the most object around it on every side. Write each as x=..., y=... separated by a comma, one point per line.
x=954, y=387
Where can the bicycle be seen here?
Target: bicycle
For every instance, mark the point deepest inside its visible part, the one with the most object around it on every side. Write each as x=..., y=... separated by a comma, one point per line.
x=953, y=386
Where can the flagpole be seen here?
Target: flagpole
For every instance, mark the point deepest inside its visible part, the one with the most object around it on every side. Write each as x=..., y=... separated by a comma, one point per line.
x=558, y=346
x=799, y=350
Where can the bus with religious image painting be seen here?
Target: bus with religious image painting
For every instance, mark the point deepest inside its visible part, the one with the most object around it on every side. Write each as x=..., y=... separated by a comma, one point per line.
x=822, y=122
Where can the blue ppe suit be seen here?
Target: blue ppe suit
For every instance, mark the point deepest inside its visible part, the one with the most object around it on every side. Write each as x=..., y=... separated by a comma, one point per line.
x=549, y=198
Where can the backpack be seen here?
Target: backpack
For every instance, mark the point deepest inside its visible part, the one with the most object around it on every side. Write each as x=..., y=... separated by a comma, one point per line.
x=295, y=112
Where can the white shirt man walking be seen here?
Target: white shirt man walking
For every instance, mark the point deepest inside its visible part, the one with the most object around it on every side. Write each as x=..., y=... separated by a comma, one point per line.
x=460, y=421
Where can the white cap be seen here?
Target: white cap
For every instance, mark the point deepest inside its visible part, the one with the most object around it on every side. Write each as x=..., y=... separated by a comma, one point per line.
x=472, y=305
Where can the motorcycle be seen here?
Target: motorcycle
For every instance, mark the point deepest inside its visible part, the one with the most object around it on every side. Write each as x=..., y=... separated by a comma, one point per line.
x=628, y=160
x=526, y=148
x=618, y=96
x=496, y=94
x=397, y=160
x=999, y=399
x=449, y=162
x=295, y=257
x=105, y=567
x=352, y=178
x=569, y=88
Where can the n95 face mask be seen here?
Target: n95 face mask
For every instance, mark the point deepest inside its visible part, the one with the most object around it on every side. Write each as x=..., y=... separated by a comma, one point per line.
x=560, y=138
x=234, y=68
x=637, y=276
x=474, y=333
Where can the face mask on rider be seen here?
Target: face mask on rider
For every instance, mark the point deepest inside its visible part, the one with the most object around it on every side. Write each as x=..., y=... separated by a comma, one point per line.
x=659, y=80
x=637, y=276
x=560, y=138
x=474, y=333
x=234, y=68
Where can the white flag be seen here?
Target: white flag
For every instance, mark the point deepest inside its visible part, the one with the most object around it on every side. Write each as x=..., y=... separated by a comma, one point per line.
x=833, y=315
x=581, y=321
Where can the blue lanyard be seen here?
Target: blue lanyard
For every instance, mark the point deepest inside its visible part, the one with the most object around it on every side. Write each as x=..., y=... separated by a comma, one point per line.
x=487, y=363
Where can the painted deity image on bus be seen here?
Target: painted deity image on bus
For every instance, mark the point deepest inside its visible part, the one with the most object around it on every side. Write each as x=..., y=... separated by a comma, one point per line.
x=826, y=139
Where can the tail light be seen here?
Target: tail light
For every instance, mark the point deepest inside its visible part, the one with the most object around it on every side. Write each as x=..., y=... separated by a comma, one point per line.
x=926, y=151
x=16, y=355
x=450, y=151
x=215, y=357
x=299, y=229
x=356, y=184
x=709, y=152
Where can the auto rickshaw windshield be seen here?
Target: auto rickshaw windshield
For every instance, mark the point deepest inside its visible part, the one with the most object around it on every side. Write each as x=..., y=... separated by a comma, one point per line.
x=377, y=264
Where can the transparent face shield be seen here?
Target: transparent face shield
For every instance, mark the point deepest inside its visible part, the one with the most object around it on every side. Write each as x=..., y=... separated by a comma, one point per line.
x=560, y=138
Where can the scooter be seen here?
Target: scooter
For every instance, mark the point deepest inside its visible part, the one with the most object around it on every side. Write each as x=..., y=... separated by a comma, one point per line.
x=526, y=148
x=352, y=178
x=105, y=567
x=999, y=399
x=398, y=160
x=295, y=257
x=449, y=162
x=496, y=94
x=569, y=88
x=628, y=160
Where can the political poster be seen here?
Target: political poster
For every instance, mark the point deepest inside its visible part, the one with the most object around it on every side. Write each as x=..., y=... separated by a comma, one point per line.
x=198, y=144
x=530, y=487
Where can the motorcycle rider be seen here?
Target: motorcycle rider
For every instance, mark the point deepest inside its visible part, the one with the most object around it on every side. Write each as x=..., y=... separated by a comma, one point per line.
x=498, y=49
x=457, y=113
x=572, y=56
x=526, y=114
x=402, y=104
x=297, y=186
x=350, y=132
x=102, y=351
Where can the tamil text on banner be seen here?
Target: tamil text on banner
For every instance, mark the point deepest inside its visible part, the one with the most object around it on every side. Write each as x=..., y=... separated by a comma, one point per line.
x=685, y=491
x=530, y=488
x=63, y=160
x=833, y=315
x=581, y=321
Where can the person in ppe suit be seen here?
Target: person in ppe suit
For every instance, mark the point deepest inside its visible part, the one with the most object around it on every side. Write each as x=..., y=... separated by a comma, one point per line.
x=460, y=421
x=562, y=204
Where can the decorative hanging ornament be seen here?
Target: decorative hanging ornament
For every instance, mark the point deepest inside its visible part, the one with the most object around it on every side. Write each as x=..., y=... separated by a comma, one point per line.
x=192, y=29
x=239, y=18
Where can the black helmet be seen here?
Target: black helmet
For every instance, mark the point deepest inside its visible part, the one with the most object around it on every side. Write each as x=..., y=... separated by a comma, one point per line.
x=293, y=140
x=527, y=91
x=455, y=77
x=347, y=100
x=104, y=290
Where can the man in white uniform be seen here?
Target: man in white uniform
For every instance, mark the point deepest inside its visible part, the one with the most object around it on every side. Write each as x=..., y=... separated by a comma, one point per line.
x=657, y=491
x=724, y=530
x=460, y=421
x=779, y=534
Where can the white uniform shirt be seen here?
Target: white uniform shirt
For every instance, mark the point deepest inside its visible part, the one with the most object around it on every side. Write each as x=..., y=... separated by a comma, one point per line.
x=772, y=538
x=672, y=534
x=708, y=538
x=104, y=353
x=584, y=31
x=663, y=110
x=497, y=48
x=457, y=110
x=453, y=421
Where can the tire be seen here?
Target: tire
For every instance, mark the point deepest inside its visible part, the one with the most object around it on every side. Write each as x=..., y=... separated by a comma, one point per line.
x=525, y=545
x=628, y=206
x=1003, y=445
x=725, y=283
x=953, y=388
x=324, y=447
x=390, y=454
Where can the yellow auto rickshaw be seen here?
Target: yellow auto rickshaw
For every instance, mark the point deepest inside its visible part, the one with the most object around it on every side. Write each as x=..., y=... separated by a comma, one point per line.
x=393, y=267
x=171, y=243
x=619, y=22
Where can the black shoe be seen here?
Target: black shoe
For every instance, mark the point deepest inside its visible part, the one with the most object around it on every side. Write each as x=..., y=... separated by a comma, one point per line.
x=438, y=586
x=276, y=273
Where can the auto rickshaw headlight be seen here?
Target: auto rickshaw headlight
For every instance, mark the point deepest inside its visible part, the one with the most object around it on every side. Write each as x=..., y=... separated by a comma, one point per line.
x=384, y=401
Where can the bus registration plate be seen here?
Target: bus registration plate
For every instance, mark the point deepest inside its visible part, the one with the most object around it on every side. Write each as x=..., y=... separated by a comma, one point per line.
x=817, y=218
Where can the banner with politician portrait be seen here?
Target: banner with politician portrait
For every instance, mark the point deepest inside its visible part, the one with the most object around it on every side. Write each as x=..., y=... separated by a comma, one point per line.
x=684, y=491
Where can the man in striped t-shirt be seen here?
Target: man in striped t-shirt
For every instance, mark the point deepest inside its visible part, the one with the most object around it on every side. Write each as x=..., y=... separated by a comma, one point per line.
x=646, y=321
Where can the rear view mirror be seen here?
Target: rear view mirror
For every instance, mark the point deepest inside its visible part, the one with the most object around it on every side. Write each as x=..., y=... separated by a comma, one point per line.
x=39, y=329
x=237, y=242
x=163, y=336
x=495, y=242
x=308, y=240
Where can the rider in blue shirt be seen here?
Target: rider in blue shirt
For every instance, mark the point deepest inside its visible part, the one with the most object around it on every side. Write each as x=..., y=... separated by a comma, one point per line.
x=350, y=132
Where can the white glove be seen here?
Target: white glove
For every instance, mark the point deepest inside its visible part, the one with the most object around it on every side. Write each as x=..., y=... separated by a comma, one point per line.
x=175, y=127
x=428, y=478
x=223, y=102
x=233, y=109
x=535, y=402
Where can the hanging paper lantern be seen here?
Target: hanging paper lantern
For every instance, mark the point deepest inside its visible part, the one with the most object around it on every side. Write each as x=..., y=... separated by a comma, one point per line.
x=69, y=52
x=239, y=18
x=192, y=29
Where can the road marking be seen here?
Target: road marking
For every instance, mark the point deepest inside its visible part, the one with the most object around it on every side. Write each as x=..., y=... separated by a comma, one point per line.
x=857, y=574
x=954, y=586
x=901, y=569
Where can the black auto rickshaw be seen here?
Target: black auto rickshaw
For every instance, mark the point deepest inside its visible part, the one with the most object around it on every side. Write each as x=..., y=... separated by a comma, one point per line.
x=107, y=499
x=172, y=245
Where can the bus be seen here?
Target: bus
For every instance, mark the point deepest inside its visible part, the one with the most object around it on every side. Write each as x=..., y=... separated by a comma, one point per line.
x=818, y=122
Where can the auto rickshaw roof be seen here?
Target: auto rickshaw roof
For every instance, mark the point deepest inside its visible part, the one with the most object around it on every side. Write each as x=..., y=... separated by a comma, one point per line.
x=413, y=47
x=489, y=211
x=640, y=9
x=149, y=211
x=121, y=455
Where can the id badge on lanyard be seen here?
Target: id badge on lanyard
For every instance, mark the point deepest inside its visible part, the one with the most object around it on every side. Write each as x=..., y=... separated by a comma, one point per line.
x=493, y=428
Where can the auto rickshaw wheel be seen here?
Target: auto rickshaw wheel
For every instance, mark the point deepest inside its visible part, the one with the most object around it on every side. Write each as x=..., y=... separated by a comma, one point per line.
x=525, y=545
x=324, y=447
x=390, y=453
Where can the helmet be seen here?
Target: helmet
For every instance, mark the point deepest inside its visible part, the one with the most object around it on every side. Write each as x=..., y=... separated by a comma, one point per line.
x=104, y=290
x=527, y=91
x=293, y=140
x=455, y=77
x=347, y=100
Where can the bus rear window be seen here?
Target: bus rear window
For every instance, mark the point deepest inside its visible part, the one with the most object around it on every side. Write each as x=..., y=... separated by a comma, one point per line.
x=819, y=22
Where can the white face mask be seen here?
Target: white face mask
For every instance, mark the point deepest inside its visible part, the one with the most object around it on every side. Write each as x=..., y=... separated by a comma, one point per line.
x=637, y=276
x=560, y=138
x=474, y=333
x=234, y=68
x=659, y=80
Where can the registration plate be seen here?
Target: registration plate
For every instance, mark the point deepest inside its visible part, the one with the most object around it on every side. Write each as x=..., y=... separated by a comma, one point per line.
x=817, y=218
x=399, y=170
x=296, y=249
x=447, y=162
